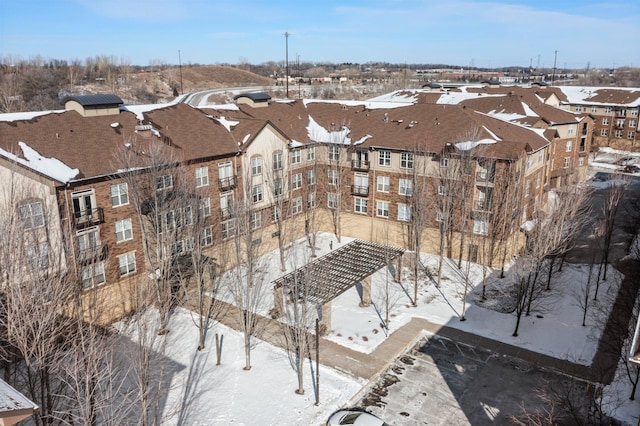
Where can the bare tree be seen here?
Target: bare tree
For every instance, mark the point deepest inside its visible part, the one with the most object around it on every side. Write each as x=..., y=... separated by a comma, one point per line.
x=246, y=281
x=35, y=292
x=567, y=214
x=166, y=207
x=615, y=194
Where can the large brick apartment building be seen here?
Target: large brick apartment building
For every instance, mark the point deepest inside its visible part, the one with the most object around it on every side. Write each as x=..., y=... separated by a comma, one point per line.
x=383, y=170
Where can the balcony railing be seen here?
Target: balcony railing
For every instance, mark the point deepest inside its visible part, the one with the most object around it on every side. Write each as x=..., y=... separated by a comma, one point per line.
x=227, y=183
x=362, y=191
x=361, y=165
x=88, y=217
x=93, y=254
x=484, y=178
x=226, y=213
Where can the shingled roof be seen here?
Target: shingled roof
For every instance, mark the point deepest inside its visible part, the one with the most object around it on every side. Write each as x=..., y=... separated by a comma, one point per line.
x=95, y=100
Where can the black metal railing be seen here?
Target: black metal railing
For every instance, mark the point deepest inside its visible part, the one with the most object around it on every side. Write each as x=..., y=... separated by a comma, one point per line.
x=88, y=217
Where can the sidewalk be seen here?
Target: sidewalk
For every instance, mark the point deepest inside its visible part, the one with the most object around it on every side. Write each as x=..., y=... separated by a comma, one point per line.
x=369, y=366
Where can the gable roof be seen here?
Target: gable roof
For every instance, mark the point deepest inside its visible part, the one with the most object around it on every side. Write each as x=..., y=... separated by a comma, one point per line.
x=90, y=144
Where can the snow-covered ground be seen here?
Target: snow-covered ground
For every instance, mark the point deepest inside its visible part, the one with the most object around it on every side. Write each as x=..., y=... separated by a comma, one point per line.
x=226, y=394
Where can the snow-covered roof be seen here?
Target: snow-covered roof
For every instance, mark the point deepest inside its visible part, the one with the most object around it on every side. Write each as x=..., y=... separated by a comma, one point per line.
x=50, y=167
x=366, y=104
x=17, y=116
x=13, y=401
x=317, y=133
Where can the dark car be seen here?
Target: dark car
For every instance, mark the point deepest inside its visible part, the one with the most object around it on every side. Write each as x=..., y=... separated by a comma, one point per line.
x=632, y=168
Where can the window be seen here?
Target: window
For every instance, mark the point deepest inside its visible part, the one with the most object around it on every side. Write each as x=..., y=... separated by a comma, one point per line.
x=277, y=160
x=480, y=227
x=175, y=219
x=311, y=177
x=296, y=205
x=631, y=135
x=202, y=176
x=296, y=181
x=571, y=130
x=404, y=212
x=205, y=207
x=527, y=188
x=332, y=200
x=538, y=179
x=334, y=153
x=594, y=109
x=256, y=165
x=37, y=256
x=442, y=190
x=276, y=213
x=444, y=162
x=226, y=204
x=92, y=275
x=578, y=108
x=632, y=123
x=124, y=231
x=581, y=161
x=607, y=110
x=164, y=182
x=256, y=220
x=566, y=162
x=604, y=132
x=383, y=183
x=311, y=200
x=406, y=187
x=605, y=121
x=311, y=153
x=296, y=156
x=32, y=215
x=127, y=263
x=360, y=205
x=618, y=134
x=529, y=161
x=225, y=172
x=439, y=217
x=406, y=160
x=228, y=229
x=119, y=195
x=384, y=158
x=568, y=147
x=382, y=208
x=332, y=177
x=206, y=237
x=256, y=193
x=633, y=112
x=88, y=242
x=620, y=122
x=278, y=187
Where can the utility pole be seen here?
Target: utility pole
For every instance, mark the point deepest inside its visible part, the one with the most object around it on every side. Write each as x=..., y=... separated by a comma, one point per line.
x=286, y=77
x=180, y=66
x=553, y=74
x=298, y=75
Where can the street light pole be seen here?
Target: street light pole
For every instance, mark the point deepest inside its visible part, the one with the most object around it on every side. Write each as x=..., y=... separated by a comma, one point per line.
x=286, y=77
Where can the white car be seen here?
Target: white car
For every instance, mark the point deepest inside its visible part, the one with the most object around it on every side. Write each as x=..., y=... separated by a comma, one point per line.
x=626, y=161
x=354, y=417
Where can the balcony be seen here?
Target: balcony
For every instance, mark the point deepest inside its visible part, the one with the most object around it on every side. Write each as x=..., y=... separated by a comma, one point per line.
x=484, y=178
x=360, y=165
x=361, y=191
x=88, y=217
x=227, y=183
x=226, y=213
x=93, y=254
x=481, y=205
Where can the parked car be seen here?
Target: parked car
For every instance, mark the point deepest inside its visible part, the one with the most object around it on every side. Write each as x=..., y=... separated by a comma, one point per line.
x=625, y=161
x=354, y=416
x=631, y=168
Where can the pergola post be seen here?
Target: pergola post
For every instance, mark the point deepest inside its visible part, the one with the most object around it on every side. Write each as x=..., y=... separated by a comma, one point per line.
x=325, y=318
x=366, y=292
x=398, y=275
x=278, y=296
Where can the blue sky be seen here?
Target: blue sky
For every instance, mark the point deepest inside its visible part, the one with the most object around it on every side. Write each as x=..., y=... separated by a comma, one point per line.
x=485, y=34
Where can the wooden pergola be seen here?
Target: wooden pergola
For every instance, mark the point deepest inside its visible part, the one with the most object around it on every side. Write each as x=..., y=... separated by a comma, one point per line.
x=329, y=276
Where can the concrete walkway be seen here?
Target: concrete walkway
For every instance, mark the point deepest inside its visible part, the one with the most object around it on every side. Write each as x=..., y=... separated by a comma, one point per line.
x=370, y=366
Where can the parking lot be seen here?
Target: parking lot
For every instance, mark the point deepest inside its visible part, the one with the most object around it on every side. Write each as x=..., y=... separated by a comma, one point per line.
x=443, y=382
